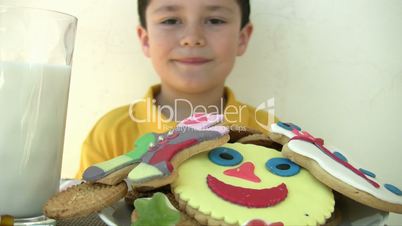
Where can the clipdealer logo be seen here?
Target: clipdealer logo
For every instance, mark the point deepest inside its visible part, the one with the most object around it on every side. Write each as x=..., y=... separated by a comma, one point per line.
x=269, y=107
x=233, y=114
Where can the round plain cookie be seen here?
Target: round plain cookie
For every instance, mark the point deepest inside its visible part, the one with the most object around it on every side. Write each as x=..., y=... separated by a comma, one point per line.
x=83, y=199
x=261, y=140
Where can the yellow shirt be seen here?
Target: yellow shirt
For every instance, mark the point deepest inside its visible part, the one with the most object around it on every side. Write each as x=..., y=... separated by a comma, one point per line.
x=115, y=133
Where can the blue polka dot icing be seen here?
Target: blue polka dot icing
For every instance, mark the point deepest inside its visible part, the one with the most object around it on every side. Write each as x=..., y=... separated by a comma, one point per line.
x=288, y=126
x=393, y=189
x=368, y=173
x=340, y=156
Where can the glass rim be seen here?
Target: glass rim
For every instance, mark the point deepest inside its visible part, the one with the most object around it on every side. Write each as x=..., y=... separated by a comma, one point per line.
x=4, y=6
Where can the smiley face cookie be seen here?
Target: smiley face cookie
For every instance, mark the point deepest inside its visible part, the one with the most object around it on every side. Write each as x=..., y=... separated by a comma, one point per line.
x=239, y=183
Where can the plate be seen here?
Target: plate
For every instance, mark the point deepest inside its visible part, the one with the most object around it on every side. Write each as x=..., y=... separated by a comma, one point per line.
x=119, y=214
x=353, y=214
x=38, y=221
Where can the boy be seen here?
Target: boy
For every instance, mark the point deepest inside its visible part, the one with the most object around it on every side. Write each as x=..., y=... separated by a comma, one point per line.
x=193, y=45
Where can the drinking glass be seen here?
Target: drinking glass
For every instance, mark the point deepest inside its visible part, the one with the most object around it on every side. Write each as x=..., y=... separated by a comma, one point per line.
x=36, y=50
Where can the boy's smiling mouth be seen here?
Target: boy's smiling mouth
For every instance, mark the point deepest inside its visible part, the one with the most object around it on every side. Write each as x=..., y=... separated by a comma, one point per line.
x=193, y=60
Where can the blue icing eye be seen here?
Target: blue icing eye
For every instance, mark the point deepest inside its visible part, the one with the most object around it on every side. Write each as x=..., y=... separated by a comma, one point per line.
x=288, y=126
x=340, y=156
x=282, y=167
x=368, y=173
x=393, y=189
x=225, y=156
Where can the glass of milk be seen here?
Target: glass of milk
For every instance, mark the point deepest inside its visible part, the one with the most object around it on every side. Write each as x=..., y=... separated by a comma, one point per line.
x=36, y=48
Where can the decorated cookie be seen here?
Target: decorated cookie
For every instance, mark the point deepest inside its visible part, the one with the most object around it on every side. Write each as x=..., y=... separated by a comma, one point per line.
x=243, y=184
x=196, y=134
x=156, y=210
x=113, y=171
x=282, y=132
x=153, y=161
x=333, y=168
x=134, y=195
x=151, y=164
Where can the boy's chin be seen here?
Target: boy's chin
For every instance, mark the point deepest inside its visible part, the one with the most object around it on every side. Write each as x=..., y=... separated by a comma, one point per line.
x=192, y=85
x=196, y=87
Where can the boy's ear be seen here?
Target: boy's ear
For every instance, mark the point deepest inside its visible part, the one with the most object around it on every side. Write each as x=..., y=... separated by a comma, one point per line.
x=144, y=39
x=244, y=38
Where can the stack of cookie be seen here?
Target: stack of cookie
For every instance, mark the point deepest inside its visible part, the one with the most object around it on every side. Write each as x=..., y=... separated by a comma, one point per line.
x=203, y=173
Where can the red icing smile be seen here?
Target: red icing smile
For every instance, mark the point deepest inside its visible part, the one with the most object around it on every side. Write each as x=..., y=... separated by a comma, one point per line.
x=256, y=198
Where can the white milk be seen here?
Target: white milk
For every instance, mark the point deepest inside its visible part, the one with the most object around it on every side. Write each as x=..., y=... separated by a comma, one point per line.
x=33, y=104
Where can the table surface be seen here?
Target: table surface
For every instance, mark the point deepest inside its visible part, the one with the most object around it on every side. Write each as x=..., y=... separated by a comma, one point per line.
x=92, y=220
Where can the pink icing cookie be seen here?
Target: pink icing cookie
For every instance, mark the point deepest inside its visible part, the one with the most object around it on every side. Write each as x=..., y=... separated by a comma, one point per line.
x=193, y=135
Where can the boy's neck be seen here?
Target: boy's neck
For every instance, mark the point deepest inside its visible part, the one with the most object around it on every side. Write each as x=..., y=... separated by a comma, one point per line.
x=212, y=101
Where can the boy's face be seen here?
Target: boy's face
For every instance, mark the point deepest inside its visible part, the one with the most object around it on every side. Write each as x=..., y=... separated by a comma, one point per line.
x=193, y=44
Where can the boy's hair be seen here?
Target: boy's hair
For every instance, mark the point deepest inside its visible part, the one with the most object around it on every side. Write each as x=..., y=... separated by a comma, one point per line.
x=244, y=8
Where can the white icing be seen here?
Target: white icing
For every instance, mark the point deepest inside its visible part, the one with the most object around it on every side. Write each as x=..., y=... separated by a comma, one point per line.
x=341, y=172
x=277, y=129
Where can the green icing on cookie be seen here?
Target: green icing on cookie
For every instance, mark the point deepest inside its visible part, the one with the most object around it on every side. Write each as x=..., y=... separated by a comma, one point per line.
x=102, y=169
x=144, y=170
x=141, y=146
x=113, y=163
x=155, y=211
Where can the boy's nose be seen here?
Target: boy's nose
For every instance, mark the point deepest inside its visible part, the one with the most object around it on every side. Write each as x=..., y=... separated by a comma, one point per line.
x=193, y=38
x=245, y=171
x=190, y=43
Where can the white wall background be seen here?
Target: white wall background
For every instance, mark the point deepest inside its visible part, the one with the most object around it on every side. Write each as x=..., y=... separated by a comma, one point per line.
x=334, y=67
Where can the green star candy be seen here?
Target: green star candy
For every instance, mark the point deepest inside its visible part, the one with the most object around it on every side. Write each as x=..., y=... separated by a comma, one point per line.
x=155, y=211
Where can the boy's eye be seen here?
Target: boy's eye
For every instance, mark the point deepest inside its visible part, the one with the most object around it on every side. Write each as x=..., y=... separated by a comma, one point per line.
x=170, y=21
x=223, y=156
x=215, y=21
x=282, y=167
